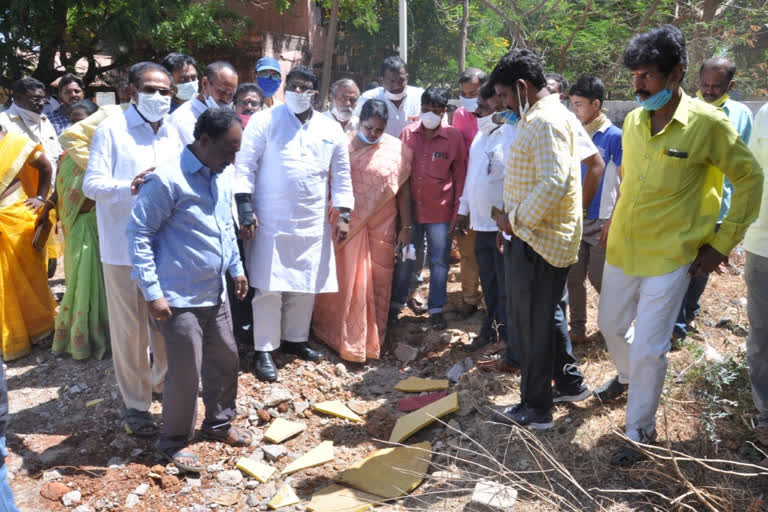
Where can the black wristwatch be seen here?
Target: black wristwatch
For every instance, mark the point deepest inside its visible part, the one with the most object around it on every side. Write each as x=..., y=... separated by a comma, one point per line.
x=41, y=198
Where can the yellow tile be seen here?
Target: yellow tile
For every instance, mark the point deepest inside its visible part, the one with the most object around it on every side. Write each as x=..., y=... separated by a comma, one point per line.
x=259, y=471
x=411, y=423
x=317, y=456
x=281, y=429
x=391, y=472
x=336, y=498
x=338, y=409
x=284, y=497
x=417, y=385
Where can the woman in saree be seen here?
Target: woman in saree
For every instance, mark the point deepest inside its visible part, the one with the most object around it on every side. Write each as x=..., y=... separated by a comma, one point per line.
x=27, y=308
x=353, y=321
x=82, y=327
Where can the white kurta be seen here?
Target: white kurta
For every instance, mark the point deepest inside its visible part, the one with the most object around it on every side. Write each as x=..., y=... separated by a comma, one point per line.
x=285, y=165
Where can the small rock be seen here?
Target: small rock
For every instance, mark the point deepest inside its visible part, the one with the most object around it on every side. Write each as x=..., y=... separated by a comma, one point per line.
x=158, y=468
x=358, y=406
x=71, y=498
x=724, y=323
x=494, y=496
x=273, y=412
x=131, y=501
x=274, y=451
x=300, y=406
x=194, y=482
x=252, y=484
x=171, y=469
x=101, y=504
x=169, y=481
x=141, y=490
x=277, y=395
x=136, y=452
x=740, y=330
x=257, y=455
x=263, y=415
x=213, y=468
x=340, y=369
x=75, y=389
x=406, y=353
x=453, y=424
x=231, y=477
x=114, y=461
x=50, y=476
x=83, y=508
x=54, y=491
x=252, y=500
x=282, y=408
x=459, y=369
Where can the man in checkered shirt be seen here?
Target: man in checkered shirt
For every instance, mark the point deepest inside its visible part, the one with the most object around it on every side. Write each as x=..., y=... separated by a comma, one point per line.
x=541, y=224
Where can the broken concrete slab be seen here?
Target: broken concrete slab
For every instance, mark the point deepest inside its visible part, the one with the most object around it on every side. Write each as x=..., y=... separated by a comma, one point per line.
x=274, y=451
x=391, y=472
x=413, y=403
x=494, y=496
x=406, y=353
x=277, y=395
x=285, y=497
x=417, y=384
x=338, y=409
x=258, y=470
x=411, y=423
x=282, y=429
x=317, y=456
x=459, y=369
x=336, y=498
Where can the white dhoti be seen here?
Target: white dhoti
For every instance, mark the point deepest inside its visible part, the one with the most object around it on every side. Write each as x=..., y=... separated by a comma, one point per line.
x=294, y=311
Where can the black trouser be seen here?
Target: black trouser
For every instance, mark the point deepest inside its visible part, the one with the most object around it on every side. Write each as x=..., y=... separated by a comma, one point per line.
x=198, y=343
x=490, y=263
x=242, y=315
x=536, y=303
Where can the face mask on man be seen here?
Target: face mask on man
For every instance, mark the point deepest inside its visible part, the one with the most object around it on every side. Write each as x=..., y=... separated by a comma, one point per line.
x=185, y=91
x=153, y=106
x=212, y=103
x=656, y=101
x=469, y=104
x=395, y=97
x=299, y=102
x=269, y=85
x=486, y=124
x=343, y=114
x=430, y=120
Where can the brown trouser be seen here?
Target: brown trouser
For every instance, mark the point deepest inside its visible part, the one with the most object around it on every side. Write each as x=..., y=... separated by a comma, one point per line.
x=470, y=276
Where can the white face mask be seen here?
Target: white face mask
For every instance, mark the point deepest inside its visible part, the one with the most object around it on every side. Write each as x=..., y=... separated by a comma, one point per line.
x=299, y=102
x=469, y=104
x=212, y=103
x=186, y=90
x=486, y=124
x=153, y=106
x=395, y=97
x=430, y=120
x=343, y=115
x=523, y=108
x=28, y=116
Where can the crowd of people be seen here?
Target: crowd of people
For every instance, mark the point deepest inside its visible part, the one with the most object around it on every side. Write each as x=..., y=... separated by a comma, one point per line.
x=203, y=210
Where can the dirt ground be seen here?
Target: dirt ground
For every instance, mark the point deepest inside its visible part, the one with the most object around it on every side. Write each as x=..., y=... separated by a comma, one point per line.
x=65, y=428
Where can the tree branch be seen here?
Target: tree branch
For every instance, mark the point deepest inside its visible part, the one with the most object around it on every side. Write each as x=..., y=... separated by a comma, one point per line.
x=643, y=22
x=578, y=26
x=515, y=30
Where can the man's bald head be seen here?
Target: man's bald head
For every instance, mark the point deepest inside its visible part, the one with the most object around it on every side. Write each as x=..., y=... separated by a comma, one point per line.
x=716, y=78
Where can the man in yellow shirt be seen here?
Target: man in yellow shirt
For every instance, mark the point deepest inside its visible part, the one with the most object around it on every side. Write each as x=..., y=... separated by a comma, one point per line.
x=543, y=201
x=676, y=152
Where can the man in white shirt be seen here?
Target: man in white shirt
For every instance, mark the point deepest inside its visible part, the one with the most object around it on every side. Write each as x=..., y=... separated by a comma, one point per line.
x=125, y=148
x=756, y=276
x=483, y=190
x=25, y=116
x=403, y=101
x=282, y=178
x=344, y=96
x=217, y=88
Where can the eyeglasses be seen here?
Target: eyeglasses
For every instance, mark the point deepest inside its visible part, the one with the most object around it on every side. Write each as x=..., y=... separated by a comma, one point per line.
x=249, y=103
x=147, y=89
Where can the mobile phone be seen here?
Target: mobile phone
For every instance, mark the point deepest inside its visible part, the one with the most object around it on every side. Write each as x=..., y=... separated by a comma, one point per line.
x=41, y=234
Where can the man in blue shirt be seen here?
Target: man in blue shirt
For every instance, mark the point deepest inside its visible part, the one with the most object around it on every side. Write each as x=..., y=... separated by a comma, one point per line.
x=182, y=243
x=716, y=79
x=586, y=97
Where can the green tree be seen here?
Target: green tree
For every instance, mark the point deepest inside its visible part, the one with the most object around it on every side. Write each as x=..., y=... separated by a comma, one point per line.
x=35, y=32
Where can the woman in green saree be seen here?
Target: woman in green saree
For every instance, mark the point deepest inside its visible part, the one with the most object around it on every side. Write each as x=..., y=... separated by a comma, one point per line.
x=82, y=327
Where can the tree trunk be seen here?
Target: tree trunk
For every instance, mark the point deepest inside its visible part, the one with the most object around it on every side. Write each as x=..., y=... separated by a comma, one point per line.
x=464, y=34
x=46, y=64
x=330, y=45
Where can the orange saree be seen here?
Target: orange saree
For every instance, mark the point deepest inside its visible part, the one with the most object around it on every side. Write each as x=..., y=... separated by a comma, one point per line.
x=353, y=321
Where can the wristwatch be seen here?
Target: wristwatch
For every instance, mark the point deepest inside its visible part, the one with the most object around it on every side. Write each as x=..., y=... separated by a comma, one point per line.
x=40, y=198
x=345, y=216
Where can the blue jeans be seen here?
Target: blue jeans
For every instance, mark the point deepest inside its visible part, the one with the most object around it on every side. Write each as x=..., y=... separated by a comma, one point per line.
x=438, y=253
x=6, y=494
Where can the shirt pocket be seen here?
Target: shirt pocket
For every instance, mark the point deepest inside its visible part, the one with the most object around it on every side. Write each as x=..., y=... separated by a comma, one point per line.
x=671, y=174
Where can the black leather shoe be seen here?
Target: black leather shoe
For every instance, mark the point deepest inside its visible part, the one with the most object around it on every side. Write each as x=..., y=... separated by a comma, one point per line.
x=300, y=350
x=263, y=366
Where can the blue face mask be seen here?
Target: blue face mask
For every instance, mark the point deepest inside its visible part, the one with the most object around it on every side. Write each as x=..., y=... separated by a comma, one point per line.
x=656, y=101
x=366, y=140
x=269, y=85
x=509, y=117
